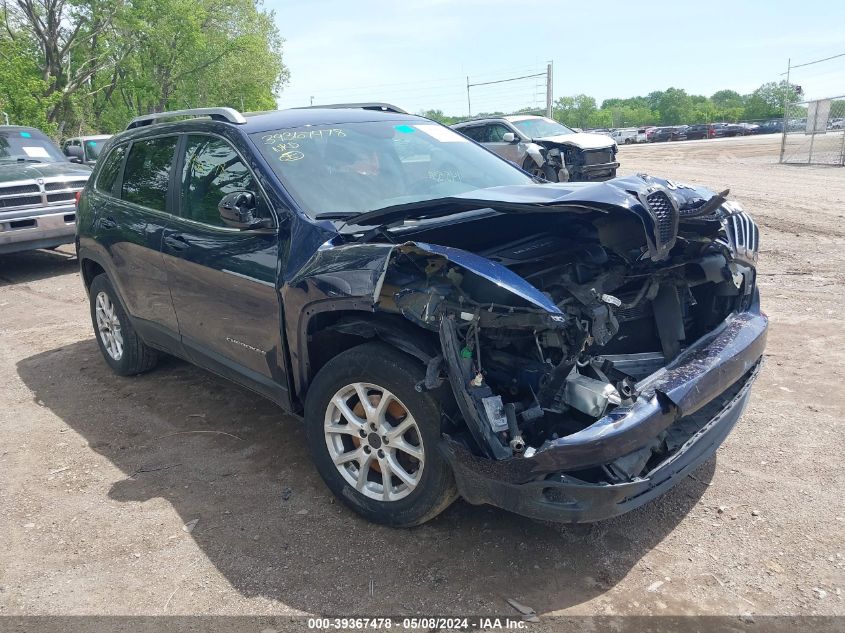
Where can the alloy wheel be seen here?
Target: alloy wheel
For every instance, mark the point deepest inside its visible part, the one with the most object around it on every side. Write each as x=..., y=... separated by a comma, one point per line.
x=108, y=326
x=374, y=442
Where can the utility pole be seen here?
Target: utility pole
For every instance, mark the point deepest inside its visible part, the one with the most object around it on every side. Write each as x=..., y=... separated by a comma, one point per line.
x=312, y=100
x=785, y=111
x=549, y=69
x=469, y=105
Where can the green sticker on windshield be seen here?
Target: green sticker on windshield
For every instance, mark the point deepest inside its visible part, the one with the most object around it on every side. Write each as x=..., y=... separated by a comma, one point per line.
x=26, y=134
x=92, y=143
x=405, y=129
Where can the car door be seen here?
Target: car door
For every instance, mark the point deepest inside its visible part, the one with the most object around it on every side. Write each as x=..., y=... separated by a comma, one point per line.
x=509, y=150
x=130, y=205
x=223, y=279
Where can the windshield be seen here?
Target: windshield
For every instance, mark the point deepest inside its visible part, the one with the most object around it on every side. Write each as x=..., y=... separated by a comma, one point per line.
x=93, y=146
x=28, y=145
x=358, y=167
x=538, y=128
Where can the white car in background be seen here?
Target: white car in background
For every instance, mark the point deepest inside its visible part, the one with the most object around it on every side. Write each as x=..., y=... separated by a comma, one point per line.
x=545, y=148
x=625, y=135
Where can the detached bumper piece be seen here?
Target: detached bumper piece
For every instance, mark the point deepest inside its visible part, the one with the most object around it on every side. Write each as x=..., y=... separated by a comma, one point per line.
x=635, y=453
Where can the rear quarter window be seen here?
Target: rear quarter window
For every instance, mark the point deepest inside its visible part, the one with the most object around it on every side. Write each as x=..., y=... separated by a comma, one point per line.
x=110, y=170
x=146, y=176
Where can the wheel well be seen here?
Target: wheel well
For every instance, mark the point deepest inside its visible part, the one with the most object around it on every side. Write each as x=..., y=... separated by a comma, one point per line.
x=90, y=269
x=331, y=333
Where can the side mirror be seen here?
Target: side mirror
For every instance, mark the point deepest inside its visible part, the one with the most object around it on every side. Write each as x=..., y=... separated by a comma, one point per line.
x=74, y=152
x=510, y=137
x=237, y=210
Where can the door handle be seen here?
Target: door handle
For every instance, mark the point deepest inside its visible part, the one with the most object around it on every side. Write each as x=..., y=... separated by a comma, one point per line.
x=176, y=242
x=108, y=222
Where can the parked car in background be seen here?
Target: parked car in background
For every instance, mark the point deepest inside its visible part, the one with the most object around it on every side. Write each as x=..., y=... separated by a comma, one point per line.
x=625, y=136
x=649, y=133
x=671, y=133
x=749, y=128
x=698, y=131
x=774, y=126
x=733, y=129
x=444, y=324
x=643, y=134
x=85, y=149
x=545, y=148
x=38, y=188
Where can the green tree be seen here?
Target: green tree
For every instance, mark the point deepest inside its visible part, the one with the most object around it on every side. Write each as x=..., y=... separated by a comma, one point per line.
x=574, y=111
x=768, y=100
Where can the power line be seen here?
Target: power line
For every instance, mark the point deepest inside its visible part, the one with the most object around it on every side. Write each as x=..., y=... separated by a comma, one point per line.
x=816, y=61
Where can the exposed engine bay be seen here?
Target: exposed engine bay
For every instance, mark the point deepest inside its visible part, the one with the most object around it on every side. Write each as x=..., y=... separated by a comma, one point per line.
x=548, y=331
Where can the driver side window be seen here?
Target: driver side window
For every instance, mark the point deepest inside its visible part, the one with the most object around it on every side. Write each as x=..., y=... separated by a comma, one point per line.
x=212, y=169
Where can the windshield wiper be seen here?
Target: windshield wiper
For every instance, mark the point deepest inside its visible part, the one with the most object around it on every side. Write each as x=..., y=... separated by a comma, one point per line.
x=418, y=210
x=336, y=215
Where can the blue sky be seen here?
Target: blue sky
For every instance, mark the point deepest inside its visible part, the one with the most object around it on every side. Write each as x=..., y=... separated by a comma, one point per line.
x=418, y=53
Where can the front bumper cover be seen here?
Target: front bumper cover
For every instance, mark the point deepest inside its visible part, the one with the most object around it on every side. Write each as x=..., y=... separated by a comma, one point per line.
x=725, y=361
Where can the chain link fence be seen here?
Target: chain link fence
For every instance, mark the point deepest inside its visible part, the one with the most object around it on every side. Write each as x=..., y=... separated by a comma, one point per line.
x=814, y=133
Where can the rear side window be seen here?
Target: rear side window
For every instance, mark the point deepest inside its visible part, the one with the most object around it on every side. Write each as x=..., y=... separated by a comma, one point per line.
x=110, y=170
x=212, y=169
x=473, y=132
x=147, y=172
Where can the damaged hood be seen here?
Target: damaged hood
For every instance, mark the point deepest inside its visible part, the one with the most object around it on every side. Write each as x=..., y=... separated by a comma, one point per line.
x=625, y=193
x=581, y=140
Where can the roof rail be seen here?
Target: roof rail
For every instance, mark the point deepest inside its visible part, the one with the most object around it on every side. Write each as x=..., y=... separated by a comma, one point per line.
x=217, y=114
x=382, y=107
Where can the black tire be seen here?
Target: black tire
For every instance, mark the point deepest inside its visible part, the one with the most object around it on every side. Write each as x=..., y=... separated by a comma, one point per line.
x=135, y=357
x=389, y=369
x=546, y=172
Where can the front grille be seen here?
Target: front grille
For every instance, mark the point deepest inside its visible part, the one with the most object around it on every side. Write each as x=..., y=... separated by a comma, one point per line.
x=664, y=216
x=598, y=157
x=18, y=189
x=69, y=184
x=19, y=201
x=743, y=236
x=59, y=197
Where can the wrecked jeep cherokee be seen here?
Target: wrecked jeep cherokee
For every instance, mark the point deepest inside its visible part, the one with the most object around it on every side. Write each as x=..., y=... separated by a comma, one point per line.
x=445, y=324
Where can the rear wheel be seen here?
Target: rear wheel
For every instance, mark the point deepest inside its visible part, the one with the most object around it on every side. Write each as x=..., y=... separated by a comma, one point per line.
x=374, y=438
x=119, y=343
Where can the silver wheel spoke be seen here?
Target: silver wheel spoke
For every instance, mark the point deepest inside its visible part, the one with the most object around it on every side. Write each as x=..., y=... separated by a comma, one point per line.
x=342, y=458
x=387, y=486
x=342, y=429
x=347, y=413
x=404, y=426
x=408, y=449
x=363, y=469
x=400, y=472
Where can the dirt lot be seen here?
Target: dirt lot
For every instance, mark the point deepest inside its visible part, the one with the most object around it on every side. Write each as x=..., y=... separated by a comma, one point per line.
x=101, y=473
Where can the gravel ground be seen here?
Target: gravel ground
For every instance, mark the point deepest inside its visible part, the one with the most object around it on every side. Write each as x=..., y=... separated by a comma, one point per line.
x=101, y=473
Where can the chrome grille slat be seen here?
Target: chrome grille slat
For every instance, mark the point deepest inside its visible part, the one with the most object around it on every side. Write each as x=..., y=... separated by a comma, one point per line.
x=62, y=185
x=742, y=236
x=14, y=190
x=50, y=192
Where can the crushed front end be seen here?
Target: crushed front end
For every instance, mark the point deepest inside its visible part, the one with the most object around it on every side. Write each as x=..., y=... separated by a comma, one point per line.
x=597, y=355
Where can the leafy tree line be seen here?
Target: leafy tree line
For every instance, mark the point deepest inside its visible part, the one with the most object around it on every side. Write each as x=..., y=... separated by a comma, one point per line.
x=663, y=107
x=81, y=66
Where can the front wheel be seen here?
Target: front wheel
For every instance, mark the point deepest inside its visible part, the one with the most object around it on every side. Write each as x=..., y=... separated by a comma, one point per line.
x=374, y=438
x=546, y=171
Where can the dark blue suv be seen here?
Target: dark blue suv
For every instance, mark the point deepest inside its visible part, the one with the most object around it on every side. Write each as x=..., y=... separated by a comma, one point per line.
x=444, y=323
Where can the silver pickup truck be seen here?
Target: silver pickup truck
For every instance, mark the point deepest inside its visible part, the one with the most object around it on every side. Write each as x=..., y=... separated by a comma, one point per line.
x=38, y=187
